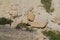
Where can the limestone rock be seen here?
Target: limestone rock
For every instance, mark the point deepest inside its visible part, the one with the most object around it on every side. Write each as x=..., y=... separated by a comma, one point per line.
x=13, y=25
x=53, y=26
x=57, y=20
x=30, y=16
x=39, y=20
x=22, y=19
x=16, y=21
x=56, y=16
x=38, y=24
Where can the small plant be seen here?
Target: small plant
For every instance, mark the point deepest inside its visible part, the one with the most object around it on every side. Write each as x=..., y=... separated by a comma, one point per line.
x=52, y=35
x=47, y=5
x=4, y=21
x=24, y=25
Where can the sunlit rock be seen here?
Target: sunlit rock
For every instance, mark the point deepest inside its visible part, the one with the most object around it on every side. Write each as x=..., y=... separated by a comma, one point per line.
x=38, y=24
x=30, y=16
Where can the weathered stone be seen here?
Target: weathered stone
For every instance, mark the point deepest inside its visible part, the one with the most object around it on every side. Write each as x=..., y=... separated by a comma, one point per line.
x=22, y=19
x=39, y=20
x=53, y=26
x=57, y=20
x=16, y=21
x=14, y=24
x=38, y=24
x=56, y=16
x=30, y=16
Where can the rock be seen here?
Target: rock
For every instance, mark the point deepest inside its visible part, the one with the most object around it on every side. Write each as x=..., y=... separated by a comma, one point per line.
x=16, y=21
x=14, y=24
x=30, y=16
x=22, y=19
x=57, y=20
x=53, y=26
x=56, y=16
x=39, y=20
x=38, y=24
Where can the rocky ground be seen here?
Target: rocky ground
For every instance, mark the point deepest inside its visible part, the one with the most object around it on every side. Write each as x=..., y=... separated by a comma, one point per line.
x=23, y=10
